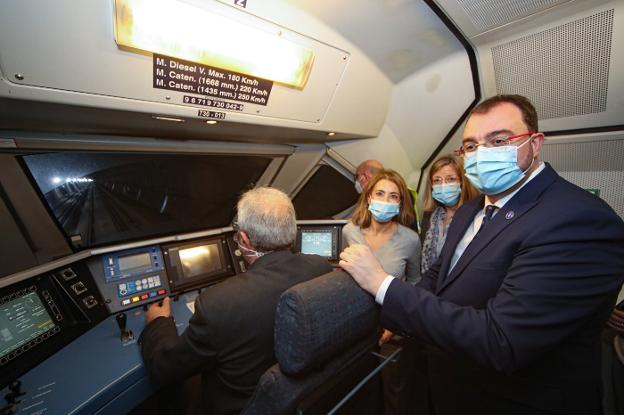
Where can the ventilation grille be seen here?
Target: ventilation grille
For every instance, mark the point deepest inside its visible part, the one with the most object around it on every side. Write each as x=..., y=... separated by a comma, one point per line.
x=592, y=165
x=563, y=70
x=486, y=15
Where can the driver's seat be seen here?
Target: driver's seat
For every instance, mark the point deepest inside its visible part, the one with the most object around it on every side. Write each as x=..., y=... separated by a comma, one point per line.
x=325, y=329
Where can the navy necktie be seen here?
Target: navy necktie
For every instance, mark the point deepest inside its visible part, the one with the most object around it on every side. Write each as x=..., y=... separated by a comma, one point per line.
x=489, y=212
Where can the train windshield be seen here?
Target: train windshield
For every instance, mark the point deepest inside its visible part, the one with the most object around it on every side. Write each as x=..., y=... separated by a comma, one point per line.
x=106, y=198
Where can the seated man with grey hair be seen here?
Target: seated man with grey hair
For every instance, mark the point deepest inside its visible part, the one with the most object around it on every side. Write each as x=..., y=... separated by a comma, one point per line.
x=229, y=339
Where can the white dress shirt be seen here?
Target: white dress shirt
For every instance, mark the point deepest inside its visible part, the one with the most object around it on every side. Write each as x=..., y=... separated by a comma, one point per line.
x=470, y=232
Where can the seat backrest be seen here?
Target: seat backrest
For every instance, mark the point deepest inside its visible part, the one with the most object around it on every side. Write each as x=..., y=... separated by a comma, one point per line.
x=321, y=326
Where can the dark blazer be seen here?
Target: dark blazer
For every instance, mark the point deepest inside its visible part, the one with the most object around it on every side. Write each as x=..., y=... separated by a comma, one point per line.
x=515, y=327
x=229, y=339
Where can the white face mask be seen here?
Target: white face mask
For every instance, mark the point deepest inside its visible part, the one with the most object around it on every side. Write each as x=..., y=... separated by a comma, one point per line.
x=248, y=251
x=358, y=187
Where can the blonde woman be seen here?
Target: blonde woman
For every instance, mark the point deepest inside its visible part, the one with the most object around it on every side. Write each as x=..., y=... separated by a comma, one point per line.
x=446, y=190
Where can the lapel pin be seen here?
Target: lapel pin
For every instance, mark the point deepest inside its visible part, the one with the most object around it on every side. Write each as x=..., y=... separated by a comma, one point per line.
x=509, y=214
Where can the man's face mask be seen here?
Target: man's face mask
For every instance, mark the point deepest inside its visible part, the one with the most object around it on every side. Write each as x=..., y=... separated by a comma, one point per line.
x=358, y=187
x=247, y=251
x=493, y=170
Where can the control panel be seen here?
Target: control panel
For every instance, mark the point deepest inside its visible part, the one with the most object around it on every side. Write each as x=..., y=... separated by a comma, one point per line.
x=36, y=320
x=239, y=263
x=62, y=318
x=75, y=279
x=131, y=277
x=29, y=317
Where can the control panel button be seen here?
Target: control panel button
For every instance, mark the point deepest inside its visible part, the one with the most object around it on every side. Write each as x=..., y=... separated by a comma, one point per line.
x=78, y=288
x=153, y=294
x=89, y=301
x=68, y=274
x=161, y=292
x=125, y=302
x=144, y=297
x=135, y=299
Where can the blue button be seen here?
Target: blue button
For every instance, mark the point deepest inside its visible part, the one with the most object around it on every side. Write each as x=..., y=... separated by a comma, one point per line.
x=153, y=294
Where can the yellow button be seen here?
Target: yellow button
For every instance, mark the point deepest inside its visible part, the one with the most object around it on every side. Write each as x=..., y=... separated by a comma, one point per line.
x=135, y=299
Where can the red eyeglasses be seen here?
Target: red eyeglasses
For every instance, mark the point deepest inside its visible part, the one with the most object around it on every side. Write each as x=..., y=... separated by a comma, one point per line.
x=498, y=141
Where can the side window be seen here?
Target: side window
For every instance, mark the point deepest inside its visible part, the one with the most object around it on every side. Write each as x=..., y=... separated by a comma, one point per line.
x=327, y=193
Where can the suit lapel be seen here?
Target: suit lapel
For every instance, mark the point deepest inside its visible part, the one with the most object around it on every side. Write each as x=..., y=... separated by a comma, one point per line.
x=462, y=220
x=505, y=217
x=515, y=208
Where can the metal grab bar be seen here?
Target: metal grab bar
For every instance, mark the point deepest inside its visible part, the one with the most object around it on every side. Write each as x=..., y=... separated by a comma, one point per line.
x=359, y=386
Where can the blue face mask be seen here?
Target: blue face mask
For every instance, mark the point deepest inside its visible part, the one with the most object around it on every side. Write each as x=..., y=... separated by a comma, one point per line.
x=358, y=187
x=383, y=211
x=447, y=194
x=493, y=170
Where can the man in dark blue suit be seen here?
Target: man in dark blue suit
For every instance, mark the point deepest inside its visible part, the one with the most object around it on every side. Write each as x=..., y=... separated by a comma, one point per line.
x=512, y=311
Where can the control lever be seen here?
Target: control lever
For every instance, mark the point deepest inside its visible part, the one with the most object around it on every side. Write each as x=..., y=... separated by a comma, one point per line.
x=126, y=335
x=11, y=398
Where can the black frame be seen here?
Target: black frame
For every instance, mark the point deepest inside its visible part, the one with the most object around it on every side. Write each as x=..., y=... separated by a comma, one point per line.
x=474, y=69
x=42, y=199
x=178, y=283
x=68, y=323
x=336, y=231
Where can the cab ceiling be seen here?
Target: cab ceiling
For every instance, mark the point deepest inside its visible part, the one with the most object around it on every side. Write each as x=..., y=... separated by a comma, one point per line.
x=400, y=36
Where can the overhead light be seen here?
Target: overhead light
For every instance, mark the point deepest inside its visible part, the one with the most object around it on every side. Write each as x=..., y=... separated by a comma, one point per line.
x=331, y=134
x=184, y=31
x=211, y=122
x=161, y=118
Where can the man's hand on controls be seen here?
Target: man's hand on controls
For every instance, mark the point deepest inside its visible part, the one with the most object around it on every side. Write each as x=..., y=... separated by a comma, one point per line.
x=156, y=310
x=360, y=262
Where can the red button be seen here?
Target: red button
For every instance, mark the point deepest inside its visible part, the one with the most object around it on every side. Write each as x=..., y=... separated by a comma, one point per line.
x=161, y=292
x=144, y=297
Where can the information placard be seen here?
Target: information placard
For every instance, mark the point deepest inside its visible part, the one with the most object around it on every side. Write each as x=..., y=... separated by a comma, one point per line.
x=184, y=76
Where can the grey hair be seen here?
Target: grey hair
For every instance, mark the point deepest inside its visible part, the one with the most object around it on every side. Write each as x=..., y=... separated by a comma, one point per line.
x=268, y=217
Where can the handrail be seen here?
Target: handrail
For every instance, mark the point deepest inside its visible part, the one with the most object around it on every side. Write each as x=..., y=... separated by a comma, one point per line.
x=359, y=386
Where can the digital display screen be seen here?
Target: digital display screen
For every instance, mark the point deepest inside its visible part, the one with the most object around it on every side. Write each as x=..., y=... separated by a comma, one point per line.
x=134, y=262
x=22, y=320
x=318, y=243
x=198, y=260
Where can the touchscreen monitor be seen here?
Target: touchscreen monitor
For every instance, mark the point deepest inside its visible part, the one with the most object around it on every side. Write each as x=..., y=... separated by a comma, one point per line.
x=196, y=264
x=199, y=260
x=319, y=240
x=21, y=320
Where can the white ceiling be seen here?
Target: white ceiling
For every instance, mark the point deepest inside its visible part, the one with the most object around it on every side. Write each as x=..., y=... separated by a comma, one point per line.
x=400, y=36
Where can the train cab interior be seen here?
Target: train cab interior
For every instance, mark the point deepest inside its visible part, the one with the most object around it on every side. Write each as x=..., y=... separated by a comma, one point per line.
x=129, y=129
